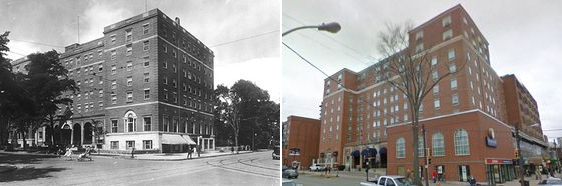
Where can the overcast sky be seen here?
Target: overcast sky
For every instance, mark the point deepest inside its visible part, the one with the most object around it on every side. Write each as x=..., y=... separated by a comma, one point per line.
x=524, y=39
x=246, y=31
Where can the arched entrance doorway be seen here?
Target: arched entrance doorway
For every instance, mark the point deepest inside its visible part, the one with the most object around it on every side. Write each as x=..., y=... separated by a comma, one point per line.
x=382, y=152
x=66, y=134
x=88, y=128
x=76, y=134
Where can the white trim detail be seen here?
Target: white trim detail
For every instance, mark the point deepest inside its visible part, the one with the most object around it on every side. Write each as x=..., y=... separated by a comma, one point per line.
x=157, y=102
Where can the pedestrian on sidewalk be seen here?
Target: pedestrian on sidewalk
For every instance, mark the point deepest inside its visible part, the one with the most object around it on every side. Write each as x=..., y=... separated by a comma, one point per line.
x=189, y=152
x=198, y=151
x=472, y=181
x=434, y=176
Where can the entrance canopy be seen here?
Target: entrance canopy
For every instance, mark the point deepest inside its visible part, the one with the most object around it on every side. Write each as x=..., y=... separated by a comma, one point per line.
x=176, y=139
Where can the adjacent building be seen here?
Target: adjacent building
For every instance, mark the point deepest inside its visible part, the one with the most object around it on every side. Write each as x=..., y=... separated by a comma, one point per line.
x=470, y=117
x=146, y=84
x=302, y=134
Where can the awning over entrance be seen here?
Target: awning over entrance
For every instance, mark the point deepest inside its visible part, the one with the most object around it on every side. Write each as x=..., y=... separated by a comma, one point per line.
x=355, y=153
x=176, y=139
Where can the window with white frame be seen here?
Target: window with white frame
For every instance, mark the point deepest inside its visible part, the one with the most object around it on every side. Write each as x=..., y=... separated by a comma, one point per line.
x=146, y=94
x=130, y=144
x=453, y=84
x=461, y=143
x=114, y=144
x=130, y=96
x=147, y=123
x=421, y=150
x=433, y=61
x=438, y=143
x=448, y=34
x=451, y=54
x=452, y=68
x=446, y=21
x=436, y=104
x=130, y=81
x=147, y=144
x=129, y=50
x=455, y=99
x=436, y=89
x=400, y=148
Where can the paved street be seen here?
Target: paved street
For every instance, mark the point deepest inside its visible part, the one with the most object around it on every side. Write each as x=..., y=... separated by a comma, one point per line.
x=244, y=169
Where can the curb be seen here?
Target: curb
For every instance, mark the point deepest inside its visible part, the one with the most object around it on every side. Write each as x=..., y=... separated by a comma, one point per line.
x=182, y=159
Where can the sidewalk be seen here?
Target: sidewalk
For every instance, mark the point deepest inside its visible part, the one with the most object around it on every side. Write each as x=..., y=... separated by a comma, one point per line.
x=169, y=156
x=372, y=176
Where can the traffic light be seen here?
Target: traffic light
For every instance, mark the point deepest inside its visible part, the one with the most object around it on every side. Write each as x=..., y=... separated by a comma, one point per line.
x=516, y=154
x=429, y=152
x=428, y=160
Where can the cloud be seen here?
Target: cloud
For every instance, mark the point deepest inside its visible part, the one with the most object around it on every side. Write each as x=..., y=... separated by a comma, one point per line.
x=98, y=15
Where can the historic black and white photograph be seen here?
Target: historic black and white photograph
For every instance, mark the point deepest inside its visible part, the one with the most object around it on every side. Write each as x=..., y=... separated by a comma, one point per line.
x=116, y=92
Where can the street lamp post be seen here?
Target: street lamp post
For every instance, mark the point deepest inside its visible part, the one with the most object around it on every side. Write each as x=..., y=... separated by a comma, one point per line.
x=330, y=27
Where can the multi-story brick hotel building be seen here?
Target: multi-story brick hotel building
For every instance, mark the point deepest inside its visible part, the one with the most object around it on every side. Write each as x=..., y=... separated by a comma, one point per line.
x=469, y=117
x=148, y=82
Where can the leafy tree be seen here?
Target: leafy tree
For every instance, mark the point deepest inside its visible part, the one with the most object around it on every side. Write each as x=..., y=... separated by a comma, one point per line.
x=44, y=85
x=245, y=115
x=411, y=72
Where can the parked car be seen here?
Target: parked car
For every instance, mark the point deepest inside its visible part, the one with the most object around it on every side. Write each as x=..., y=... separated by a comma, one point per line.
x=287, y=182
x=276, y=155
x=316, y=167
x=388, y=180
x=290, y=173
x=551, y=181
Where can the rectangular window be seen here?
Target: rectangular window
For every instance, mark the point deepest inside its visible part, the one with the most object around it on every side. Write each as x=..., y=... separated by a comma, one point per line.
x=129, y=49
x=165, y=64
x=419, y=47
x=146, y=61
x=129, y=65
x=419, y=35
x=434, y=61
x=436, y=90
x=455, y=99
x=174, y=68
x=113, y=98
x=112, y=39
x=113, y=54
x=436, y=104
x=146, y=77
x=100, y=68
x=451, y=54
x=435, y=75
x=129, y=96
x=113, y=69
x=100, y=104
x=448, y=34
x=146, y=94
x=147, y=125
x=165, y=80
x=114, y=84
x=446, y=21
x=113, y=126
x=454, y=84
x=452, y=68
x=129, y=35
x=130, y=144
x=101, y=93
x=147, y=144
x=145, y=28
x=146, y=45
x=130, y=81
x=114, y=144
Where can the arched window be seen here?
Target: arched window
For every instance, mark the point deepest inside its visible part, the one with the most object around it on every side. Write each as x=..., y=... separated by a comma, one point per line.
x=438, y=144
x=461, y=143
x=400, y=148
x=130, y=121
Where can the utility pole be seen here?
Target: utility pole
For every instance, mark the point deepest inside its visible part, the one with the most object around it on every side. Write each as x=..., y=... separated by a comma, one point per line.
x=426, y=175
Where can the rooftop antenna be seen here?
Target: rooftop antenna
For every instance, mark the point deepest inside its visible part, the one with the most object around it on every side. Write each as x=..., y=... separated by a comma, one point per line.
x=78, y=19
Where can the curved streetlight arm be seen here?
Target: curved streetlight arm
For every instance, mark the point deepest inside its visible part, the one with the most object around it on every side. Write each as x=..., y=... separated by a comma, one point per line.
x=330, y=27
x=298, y=28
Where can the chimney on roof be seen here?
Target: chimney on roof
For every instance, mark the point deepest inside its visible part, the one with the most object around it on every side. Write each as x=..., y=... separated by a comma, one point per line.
x=178, y=20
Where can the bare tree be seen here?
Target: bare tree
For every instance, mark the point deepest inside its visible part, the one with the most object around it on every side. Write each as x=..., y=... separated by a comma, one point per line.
x=411, y=71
